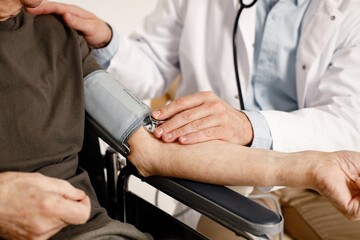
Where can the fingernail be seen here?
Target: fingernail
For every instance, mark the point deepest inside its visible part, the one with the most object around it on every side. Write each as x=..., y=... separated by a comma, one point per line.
x=158, y=131
x=156, y=114
x=168, y=135
x=183, y=139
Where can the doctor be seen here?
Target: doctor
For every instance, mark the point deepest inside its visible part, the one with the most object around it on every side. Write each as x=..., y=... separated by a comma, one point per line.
x=298, y=65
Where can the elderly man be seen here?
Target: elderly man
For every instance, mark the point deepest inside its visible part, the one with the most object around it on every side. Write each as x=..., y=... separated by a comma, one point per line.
x=43, y=64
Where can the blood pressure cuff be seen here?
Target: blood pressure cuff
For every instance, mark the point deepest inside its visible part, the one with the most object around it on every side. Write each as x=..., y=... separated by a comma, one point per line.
x=114, y=107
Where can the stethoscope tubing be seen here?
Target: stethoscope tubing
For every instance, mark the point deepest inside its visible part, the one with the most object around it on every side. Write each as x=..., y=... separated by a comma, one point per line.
x=235, y=30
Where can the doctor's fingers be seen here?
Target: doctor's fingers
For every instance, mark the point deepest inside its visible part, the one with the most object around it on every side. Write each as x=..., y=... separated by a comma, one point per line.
x=186, y=117
x=184, y=103
x=207, y=134
x=204, y=129
x=95, y=31
x=60, y=9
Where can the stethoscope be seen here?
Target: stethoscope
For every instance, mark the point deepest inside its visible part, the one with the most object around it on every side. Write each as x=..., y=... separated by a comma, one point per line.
x=236, y=23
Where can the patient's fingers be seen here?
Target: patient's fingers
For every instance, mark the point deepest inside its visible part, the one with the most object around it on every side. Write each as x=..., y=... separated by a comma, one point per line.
x=74, y=212
x=58, y=186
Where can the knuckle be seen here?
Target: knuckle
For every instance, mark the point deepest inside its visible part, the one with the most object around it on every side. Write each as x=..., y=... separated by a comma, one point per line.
x=179, y=102
x=178, y=132
x=182, y=131
x=187, y=115
x=197, y=125
x=218, y=106
x=193, y=138
x=209, y=132
x=168, y=125
x=47, y=205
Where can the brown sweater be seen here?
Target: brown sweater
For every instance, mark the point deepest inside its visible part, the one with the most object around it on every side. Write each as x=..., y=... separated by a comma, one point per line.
x=42, y=65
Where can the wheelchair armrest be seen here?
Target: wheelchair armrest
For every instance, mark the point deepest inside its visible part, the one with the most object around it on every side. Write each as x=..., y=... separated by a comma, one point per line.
x=234, y=211
x=231, y=209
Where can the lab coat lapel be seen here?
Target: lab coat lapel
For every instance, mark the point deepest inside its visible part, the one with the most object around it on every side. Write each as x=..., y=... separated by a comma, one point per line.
x=319, y=24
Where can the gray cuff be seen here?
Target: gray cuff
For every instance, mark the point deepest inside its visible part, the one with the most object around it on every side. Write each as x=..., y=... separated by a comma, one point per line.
x=105, y=54
x=114, y=107
x=262, y=134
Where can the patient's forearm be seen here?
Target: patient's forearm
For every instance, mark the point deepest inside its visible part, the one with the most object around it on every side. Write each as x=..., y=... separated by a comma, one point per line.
x=222, y=163
x=230, y=164
x=335, y=175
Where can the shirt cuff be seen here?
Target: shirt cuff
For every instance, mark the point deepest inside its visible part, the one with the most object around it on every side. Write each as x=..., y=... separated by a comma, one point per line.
x=105, y=54
x=262, y=134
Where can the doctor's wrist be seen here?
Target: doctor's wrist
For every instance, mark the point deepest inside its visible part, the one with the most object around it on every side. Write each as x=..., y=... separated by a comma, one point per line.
x=246, y=133
x=106, y=37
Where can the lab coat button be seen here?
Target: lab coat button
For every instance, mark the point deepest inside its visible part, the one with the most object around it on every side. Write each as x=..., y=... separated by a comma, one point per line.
x=237, y=97
x=332, y=18
x=304, y=67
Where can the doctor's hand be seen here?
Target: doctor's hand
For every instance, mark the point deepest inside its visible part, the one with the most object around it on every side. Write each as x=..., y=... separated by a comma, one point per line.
x=95, y=31
x=202, y=117
x=33, y=206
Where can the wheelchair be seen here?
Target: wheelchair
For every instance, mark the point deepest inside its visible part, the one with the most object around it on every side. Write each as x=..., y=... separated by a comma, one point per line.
x=110, y=177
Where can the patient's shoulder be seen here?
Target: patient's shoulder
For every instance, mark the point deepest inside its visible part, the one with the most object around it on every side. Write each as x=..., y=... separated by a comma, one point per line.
x=52, y=29
x=49, y=22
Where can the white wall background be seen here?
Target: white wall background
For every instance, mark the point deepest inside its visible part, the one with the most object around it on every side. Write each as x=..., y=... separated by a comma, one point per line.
x=124, y=15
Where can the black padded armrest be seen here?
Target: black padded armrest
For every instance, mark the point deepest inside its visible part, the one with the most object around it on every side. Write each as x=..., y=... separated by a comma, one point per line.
x=231, y=209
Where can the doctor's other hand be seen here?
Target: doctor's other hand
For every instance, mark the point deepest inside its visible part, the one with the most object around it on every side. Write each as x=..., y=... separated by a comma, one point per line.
x=33, y=206
x=202, y=117
x=95, y=31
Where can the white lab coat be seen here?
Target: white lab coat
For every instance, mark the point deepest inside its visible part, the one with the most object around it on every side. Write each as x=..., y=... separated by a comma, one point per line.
x=196, y=36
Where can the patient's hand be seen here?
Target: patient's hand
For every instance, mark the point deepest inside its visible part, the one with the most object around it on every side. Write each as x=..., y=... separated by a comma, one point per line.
x=33, y=206
x=338, y=179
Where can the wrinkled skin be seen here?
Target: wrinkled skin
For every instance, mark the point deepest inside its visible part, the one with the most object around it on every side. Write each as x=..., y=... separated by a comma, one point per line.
x=33, y=206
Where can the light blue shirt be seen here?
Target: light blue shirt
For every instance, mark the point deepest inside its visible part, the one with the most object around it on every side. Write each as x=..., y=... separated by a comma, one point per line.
x=273, y=86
